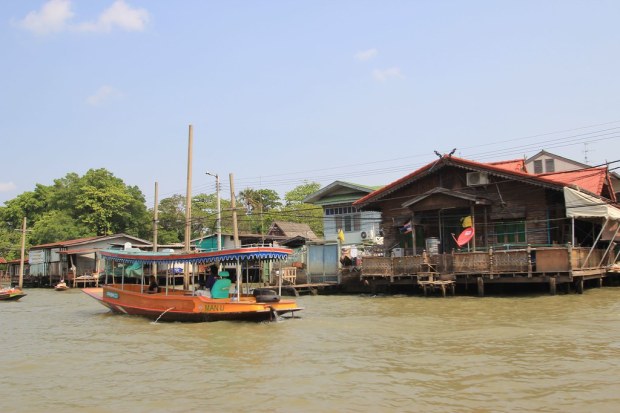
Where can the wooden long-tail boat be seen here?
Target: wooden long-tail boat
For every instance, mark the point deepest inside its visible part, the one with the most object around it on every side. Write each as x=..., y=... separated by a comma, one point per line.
x=11, y=294
x=171, y=304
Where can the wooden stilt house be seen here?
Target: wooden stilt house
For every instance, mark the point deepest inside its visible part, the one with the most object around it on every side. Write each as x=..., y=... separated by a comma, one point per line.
x=552, y=228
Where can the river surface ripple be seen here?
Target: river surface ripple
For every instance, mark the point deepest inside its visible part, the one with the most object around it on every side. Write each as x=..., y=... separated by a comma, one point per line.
x=62, y=351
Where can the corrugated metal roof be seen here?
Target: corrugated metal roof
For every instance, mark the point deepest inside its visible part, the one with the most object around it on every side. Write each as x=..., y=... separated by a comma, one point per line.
x=68, y=243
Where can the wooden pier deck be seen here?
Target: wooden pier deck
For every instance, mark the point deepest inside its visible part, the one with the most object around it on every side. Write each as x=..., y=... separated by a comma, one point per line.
x=564, y=267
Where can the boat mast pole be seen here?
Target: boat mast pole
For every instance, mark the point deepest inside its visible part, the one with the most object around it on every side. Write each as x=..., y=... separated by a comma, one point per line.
x=235, y=231
x=188, y=206
x=21, y=261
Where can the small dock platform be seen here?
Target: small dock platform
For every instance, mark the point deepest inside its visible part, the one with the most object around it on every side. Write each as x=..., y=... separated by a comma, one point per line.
x=429, y=287
x=313, y=289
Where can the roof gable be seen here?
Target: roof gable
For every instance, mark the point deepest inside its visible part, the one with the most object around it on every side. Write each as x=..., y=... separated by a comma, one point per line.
x=543, y=154
x=339, y=192
x=292, y=229
x=444, y=192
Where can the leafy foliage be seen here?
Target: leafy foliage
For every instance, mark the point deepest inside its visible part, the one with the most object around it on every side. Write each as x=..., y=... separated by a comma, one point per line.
x=98, y=203
x=57, y=225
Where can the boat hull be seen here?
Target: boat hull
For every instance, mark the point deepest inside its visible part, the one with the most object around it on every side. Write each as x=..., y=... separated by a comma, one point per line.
x=11, y=296
x=178, y=305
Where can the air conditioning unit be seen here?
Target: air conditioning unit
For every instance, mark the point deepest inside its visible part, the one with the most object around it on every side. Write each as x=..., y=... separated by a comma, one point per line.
x=477, y=178
x=364, y=235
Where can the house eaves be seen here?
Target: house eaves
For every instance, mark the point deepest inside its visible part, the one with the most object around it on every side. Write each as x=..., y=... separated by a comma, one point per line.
x=336, y=199
x=88, y=240
x=447, y=160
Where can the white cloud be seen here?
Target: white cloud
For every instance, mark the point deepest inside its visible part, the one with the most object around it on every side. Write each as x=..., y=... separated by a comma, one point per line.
x=54, y=16
x=7, y=186
x=102, y=95
x=120, y=15
x=366, y=54
x=384, y=74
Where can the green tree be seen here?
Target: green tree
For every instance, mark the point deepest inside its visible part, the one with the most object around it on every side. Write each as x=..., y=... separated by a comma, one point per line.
x=259, y=205
x=10, y=242
x=57, y=225
x=297, y=195
x=295, y=210
x=31, y=204
x=171, y=220
x=97, y=203
x=106, y=205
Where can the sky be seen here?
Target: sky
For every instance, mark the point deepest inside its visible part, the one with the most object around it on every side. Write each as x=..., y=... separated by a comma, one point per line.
x=280, y=93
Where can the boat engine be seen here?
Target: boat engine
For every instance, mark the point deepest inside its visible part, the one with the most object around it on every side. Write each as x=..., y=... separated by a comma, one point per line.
x=265, y=295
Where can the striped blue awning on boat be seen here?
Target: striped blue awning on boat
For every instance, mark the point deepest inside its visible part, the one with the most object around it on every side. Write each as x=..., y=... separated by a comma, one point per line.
x=232, y=255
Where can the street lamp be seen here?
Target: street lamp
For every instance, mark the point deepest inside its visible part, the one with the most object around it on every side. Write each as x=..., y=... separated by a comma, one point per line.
x=218, y=225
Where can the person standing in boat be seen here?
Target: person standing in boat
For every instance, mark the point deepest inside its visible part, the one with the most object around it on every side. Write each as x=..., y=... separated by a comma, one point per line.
x=213, y=270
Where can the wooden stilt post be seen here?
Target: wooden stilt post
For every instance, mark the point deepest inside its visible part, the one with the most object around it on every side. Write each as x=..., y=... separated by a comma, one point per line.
x=480, y=287
x=552, y=286
x=579, y=285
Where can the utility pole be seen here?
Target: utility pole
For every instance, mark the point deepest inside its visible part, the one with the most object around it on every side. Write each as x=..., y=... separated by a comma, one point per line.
x=155, y=222
x=21, y=261
x=233, y=205
x=218, y=223
x=188, y=206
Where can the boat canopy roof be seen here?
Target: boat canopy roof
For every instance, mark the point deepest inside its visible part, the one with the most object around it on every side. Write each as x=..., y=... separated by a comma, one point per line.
x=229, y=255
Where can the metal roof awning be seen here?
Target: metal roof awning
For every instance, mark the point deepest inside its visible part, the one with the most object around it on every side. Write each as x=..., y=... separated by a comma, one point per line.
x=582, y=205
x=79, y=252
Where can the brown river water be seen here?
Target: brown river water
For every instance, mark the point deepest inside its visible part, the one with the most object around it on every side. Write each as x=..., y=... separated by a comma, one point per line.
x=63, y=351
